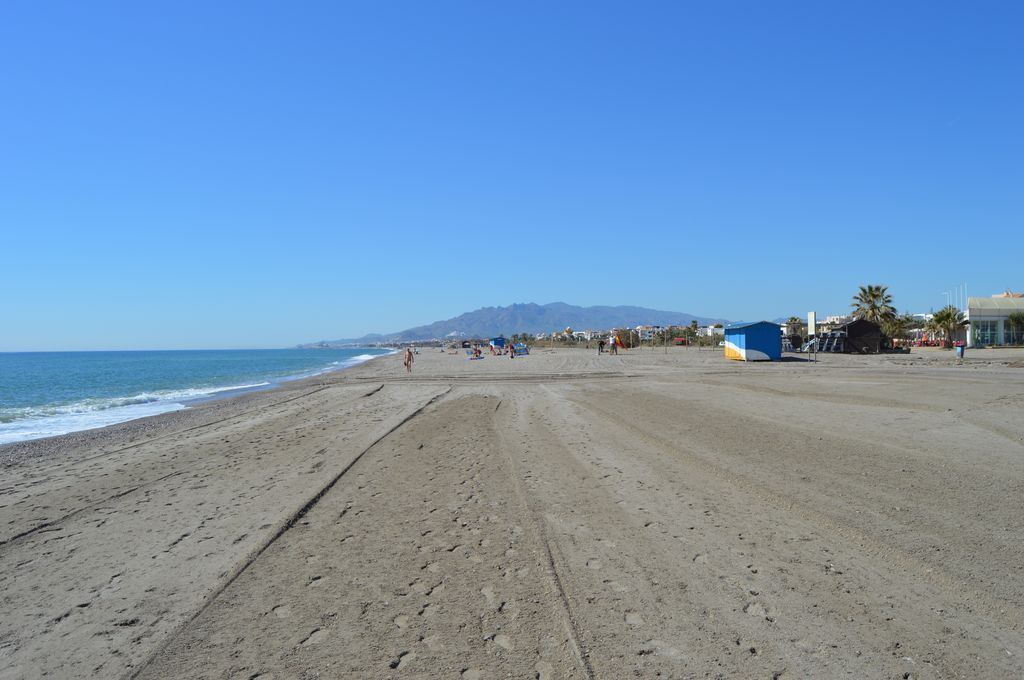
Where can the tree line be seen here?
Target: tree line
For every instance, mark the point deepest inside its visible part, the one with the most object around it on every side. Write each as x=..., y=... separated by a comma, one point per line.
x=874, y=303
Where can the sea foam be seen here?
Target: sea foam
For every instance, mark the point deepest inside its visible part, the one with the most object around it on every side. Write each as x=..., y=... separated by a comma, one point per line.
x=40, y=400
x=20, y=424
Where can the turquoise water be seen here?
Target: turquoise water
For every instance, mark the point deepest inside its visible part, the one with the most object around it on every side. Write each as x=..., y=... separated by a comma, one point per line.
x=43, y=394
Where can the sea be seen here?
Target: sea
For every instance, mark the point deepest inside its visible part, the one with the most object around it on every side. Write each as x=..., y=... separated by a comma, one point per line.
x=43, y=394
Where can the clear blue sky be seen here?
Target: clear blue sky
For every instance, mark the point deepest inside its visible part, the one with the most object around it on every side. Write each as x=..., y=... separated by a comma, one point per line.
x=251, y=174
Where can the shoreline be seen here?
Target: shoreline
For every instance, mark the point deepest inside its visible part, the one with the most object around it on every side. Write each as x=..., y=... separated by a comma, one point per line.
x=193, y=411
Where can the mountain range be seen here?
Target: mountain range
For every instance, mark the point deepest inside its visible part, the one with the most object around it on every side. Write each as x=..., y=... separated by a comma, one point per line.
x=528, y=318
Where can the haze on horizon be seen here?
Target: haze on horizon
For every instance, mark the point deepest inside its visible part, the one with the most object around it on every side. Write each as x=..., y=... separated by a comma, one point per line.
x=201, y=177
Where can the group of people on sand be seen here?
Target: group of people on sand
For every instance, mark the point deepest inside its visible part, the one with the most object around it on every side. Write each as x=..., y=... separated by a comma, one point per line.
x=475, y=353
x=507, y=349
x=613, y=347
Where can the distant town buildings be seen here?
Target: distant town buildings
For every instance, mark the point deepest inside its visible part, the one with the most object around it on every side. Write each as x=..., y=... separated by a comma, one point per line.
x=647, y=333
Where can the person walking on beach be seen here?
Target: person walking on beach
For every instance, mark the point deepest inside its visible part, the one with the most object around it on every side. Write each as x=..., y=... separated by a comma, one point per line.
x=600, y=346
x=408, y=359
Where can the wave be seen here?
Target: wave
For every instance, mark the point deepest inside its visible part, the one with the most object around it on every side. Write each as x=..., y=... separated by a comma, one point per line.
x=47, y=420
x=366, y=357
x=50, y=420
x=86, y=406
x=335, y=366
x=51, y=426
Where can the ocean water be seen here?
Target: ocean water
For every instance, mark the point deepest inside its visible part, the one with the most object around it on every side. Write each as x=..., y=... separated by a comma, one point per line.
x=43, y=394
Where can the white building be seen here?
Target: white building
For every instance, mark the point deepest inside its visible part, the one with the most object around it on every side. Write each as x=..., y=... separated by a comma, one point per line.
x=988, y=321
x=710, y=331
x=647, y=332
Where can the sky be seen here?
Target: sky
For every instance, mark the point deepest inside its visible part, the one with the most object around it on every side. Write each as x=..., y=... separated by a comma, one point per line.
x=261, y=174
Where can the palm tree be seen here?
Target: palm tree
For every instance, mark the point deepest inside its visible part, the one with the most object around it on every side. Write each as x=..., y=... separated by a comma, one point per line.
x=1016, y=321
x=948, y=321
x=898, y=327
x=873, y=303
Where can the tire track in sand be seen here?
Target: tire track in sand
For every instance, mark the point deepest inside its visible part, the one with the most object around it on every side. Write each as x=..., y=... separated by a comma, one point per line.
x=420, y=562
x=5, y=543
x=553, y=558
x=282, y=529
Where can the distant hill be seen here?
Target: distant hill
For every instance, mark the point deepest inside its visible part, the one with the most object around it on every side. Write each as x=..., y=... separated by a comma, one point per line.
x=528, y=318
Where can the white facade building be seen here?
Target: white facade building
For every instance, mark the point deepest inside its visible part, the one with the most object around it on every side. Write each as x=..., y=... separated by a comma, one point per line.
x=647, y=332
x=709, y=331
x=989, y=323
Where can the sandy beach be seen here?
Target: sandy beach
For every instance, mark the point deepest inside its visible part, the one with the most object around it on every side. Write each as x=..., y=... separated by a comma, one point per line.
x=564, y=515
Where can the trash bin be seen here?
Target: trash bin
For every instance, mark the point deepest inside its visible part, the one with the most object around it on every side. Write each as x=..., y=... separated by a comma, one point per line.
x=959, y=351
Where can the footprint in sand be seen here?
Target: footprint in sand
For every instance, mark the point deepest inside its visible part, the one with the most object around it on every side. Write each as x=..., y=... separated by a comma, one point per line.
x=488, y=594
x=593, y=564
x=509, y=609
x=402, y=621
x=403, y=660
x=660, y=648
x=472, y=674
x=755, y=609
x=634, y=619
x=504, y=641
x=315, y=637
x=282, y=611
x=545, y=671
x=433, y=643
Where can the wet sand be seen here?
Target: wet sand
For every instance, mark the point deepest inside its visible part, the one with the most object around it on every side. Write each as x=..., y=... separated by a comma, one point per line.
x=563, y=515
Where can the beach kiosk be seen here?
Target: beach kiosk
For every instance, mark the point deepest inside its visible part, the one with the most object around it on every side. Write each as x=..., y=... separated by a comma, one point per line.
x=755, y=341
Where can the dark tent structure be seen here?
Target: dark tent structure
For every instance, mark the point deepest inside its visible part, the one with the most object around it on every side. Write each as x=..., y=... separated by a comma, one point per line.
x=862, y=337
